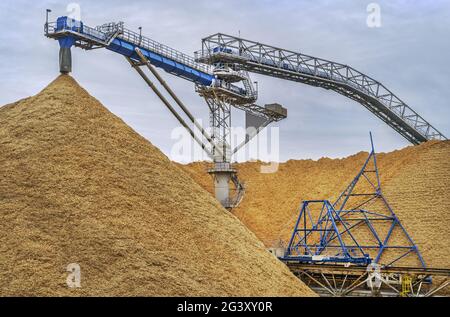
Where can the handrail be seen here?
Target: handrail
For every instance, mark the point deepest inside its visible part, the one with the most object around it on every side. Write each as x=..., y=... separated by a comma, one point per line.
x=101, y=35
x=289, y=65
x=164, y=50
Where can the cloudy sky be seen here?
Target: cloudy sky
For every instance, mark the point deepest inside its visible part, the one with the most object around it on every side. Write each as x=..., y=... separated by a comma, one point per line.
x=408, y=54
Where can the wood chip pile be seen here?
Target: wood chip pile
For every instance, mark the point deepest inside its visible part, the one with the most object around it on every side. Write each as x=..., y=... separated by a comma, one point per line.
x=415, y=181
x=77, y=185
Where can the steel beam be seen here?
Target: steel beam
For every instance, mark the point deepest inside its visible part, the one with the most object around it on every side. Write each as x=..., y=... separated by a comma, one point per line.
x=169, y=106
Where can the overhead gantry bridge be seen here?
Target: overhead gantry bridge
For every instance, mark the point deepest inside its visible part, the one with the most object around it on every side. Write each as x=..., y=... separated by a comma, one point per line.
x=345, y=80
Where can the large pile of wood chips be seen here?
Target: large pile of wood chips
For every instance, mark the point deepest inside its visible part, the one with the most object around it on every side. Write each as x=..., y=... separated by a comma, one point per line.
x=77, y=185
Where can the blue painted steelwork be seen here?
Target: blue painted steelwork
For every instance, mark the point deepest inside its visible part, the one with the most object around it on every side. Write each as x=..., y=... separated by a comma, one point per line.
x=173, y=67
x=335, y=232
x=64, y=23
x=310, y=239
x=67, y=41
x=116, y=38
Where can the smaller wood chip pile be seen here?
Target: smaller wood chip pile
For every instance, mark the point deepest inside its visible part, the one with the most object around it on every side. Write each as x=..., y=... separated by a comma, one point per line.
x=415, y=181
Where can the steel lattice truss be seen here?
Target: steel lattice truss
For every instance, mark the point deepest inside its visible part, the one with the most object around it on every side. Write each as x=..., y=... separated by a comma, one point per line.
x=359, y=228
x=220, y=117
x=272, y=61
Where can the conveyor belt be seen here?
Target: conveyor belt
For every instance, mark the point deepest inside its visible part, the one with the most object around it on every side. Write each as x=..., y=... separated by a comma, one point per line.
x=288, y=65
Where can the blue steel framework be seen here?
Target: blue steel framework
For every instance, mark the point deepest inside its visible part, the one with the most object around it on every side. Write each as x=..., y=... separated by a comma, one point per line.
x=350, y=231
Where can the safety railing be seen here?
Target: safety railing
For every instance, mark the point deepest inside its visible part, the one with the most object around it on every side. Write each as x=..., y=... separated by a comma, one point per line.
x=206, y=54
x=102, y=34
x=224, y=70
x=241, y=92
x=163, y=50
x=84, y=31
x=268, y=59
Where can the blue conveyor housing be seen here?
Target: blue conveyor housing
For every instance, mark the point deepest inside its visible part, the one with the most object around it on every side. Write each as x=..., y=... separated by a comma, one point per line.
x=169, y=65
x=116, y=38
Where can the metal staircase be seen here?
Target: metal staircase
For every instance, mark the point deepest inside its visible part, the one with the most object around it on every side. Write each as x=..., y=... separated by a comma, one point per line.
x=249, y=88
